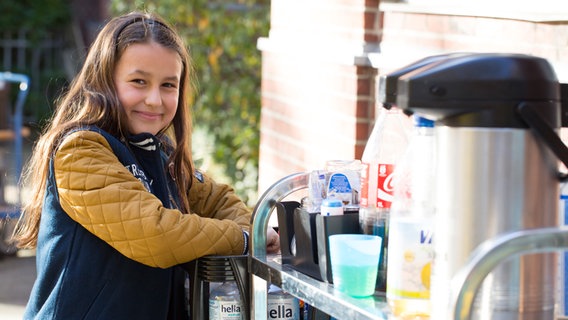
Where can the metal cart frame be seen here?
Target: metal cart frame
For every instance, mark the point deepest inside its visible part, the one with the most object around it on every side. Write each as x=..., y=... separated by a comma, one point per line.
x=269, y=268
x=265, y=268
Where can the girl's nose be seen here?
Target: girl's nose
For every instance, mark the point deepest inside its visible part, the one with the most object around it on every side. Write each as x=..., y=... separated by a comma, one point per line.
x=154, y=97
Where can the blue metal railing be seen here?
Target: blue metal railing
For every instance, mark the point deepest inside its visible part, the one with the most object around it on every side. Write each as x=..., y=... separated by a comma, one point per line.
x=23, y=82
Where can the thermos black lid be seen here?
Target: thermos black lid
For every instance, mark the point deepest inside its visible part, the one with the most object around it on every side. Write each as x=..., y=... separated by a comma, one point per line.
x=478, y=89
x=388, y=82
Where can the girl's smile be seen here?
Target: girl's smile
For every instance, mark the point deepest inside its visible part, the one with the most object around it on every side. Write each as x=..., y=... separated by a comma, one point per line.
x=147, y=78
x=151, y=116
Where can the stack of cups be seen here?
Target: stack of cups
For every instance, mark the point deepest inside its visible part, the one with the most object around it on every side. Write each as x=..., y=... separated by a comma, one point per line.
x=354, y=259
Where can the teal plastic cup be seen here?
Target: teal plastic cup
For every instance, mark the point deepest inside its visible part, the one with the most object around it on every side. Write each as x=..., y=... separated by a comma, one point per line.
x=354, y=263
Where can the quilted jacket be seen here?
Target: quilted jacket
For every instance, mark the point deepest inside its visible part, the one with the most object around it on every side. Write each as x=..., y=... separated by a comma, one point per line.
x=110, y=238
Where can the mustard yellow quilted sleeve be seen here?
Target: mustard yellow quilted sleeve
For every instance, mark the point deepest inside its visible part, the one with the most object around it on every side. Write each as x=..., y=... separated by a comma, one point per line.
x=100, y=194
x=216, y=200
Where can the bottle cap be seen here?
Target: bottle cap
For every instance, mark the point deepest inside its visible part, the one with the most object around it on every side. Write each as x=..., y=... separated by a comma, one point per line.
x=332, y=202
x=331, y=207
x=423, y=122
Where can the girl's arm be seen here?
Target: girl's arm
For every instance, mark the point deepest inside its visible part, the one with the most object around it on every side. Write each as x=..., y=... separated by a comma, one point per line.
x=216, y=200
x=219, y=201
x=100, y=194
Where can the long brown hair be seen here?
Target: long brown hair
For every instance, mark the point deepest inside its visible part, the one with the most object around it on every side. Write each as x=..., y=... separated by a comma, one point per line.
x=92, y=100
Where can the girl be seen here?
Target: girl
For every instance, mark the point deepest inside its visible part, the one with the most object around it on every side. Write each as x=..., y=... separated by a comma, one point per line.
x=116, y=201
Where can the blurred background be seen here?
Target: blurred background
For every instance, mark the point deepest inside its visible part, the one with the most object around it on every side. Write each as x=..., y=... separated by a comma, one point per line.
x=47, y=40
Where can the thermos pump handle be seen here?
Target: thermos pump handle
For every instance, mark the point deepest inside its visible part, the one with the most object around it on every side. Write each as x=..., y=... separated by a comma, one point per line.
x=543, y=130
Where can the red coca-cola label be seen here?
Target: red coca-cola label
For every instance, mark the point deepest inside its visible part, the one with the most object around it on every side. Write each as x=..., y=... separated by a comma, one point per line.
x=385, y=186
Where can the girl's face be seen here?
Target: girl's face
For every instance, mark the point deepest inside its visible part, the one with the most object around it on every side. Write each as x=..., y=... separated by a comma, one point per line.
x=147, y=78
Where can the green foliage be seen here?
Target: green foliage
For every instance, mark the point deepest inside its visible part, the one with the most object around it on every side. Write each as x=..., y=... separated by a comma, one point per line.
x=40, y=16
x=37, y=26
x=222, y=39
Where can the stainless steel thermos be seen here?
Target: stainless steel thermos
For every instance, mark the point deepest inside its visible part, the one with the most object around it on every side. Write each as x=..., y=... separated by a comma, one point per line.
x=496, y=171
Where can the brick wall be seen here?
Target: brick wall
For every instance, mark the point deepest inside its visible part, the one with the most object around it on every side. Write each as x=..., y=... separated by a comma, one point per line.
x=334, y=21
x=318, y=87
x=433, y=30
x=321, y=59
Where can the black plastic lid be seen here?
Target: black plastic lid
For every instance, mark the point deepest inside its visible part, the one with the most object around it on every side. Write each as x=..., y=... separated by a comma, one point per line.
x=481, y=90
x=388, y=82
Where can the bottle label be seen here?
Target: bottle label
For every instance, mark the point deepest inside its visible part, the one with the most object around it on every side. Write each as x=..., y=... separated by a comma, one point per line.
x=283, y=308
x=365, y=185
x=385, y=186
x=225, y=310
x=410, y=258
x=340, y=187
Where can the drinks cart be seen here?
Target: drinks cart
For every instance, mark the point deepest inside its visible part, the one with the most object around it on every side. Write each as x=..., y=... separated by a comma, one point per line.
x=499, y=110
x=265, y=268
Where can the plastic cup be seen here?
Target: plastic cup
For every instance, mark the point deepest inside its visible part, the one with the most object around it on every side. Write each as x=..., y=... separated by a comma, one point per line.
x=354, y=260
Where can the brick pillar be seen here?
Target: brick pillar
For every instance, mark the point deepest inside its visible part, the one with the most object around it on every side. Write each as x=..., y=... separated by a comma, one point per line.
x=318, y=86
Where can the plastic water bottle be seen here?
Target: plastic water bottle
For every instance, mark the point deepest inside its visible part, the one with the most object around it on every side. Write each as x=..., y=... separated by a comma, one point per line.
x=282, y=305
x=411, y=227
x=385, y=147
x=225, y=302
x=331, y=207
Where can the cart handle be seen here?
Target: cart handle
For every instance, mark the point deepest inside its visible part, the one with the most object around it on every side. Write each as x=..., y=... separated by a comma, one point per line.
x=266, y=203
x=492, y=252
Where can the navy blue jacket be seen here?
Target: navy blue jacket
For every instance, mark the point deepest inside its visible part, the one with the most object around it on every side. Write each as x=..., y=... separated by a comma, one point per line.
x=111, y=285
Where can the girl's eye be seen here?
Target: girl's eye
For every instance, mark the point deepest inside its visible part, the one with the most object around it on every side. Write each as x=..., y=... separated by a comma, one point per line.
x=138, y=81
x=170, y=85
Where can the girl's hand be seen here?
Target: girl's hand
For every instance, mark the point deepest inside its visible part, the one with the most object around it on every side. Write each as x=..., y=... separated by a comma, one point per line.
x=272, y=241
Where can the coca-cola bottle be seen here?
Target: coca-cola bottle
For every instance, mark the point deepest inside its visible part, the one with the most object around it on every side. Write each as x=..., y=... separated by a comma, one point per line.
x=385, y=147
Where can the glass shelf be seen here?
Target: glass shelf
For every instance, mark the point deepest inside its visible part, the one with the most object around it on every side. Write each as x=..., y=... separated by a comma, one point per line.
x=319, y=294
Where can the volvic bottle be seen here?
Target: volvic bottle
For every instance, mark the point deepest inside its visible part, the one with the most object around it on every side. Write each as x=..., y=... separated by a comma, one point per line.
x=384, y=149
x=411, y=227
x=225, y=302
